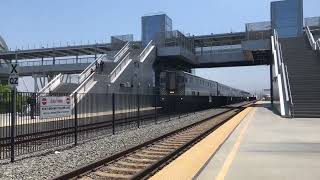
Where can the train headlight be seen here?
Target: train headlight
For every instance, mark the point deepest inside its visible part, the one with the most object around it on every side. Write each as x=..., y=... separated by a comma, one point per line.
x=171, y=92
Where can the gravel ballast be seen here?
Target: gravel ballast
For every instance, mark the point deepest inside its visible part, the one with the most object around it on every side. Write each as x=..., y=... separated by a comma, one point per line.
x=52, y=164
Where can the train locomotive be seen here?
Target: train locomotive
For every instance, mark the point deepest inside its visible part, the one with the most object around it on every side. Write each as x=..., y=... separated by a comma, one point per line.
x=197, y=91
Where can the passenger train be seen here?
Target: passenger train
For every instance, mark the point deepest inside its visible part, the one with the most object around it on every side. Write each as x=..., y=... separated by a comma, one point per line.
x=186, y=84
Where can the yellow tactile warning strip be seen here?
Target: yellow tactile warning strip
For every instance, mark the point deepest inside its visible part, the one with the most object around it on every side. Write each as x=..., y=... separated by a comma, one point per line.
x=189, y=163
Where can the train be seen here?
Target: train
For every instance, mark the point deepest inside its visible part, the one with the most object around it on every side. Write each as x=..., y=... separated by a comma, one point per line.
x=186, y=84
x=188, y=92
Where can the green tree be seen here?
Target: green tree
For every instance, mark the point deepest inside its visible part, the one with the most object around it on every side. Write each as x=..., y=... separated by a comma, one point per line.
x=4, y=98
x=4, y=88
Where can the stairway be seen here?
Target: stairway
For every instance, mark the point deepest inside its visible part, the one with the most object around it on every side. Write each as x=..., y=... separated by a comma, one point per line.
x=66, y=88
x=304, y=74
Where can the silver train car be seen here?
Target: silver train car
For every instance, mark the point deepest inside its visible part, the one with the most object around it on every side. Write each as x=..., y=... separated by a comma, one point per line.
x=186, y=84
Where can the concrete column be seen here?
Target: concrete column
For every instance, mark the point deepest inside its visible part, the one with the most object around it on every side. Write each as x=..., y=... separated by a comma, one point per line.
x=54, y=58
x=271, y=85
x=35, y=79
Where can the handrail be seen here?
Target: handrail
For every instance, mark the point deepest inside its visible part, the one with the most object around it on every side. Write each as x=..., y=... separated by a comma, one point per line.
x=283, y=71
x=312, y=42
x=55, y=62
x=86, y=72
x=83, y=85
x=286, y=82
x=290, y=93
x=52, y=83
x=80, y=78
x=119, y=67
x=146, y=50
x=122, y=51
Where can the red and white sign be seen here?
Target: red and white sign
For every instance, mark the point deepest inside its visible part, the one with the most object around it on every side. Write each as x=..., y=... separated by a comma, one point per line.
x=44, y=101
x=55, y=106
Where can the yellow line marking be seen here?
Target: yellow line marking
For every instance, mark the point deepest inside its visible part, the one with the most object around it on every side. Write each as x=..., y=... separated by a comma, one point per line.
x=190, y=163
x=227, y=163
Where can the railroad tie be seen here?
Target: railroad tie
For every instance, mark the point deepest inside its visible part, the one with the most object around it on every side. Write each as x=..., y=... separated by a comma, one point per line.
x=155, y=152
x=177, y=141
x=133, y=165
x=140, y=160
x=121, y=170
x=148, y=156
x=111, y=175
x=171, y=144
x=165, y=147
x=85, y=178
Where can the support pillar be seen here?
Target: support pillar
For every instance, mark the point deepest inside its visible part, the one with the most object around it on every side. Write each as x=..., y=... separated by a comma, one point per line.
x=54, y=58
x=271, y=85
x=35, y=79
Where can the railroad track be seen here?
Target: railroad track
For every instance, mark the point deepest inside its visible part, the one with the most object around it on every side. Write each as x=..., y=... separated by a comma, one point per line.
x=144, y=160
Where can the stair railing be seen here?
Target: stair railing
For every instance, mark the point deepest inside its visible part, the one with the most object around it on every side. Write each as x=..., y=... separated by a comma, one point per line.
x=119, y=68
x=283, y=71
x=318, y=44
x=122, y=51
x=146, y=51
x=92, y=67
x=290, y=93
x=84, y=87
x=313, y=43
x=55, y=82
x=286, y=82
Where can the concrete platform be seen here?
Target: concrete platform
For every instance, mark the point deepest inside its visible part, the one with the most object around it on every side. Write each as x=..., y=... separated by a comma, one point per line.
x=266, y=146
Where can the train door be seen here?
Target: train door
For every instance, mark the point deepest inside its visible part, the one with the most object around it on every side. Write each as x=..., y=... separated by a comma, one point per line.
x=171, y=82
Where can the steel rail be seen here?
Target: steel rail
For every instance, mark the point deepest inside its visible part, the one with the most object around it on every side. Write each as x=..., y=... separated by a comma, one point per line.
x=159, y=163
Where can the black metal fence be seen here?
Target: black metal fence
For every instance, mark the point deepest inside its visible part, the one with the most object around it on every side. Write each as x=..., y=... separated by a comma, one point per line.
x=23, y=130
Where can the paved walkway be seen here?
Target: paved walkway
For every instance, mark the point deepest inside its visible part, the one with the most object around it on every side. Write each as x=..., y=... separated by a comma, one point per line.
x=266, y=146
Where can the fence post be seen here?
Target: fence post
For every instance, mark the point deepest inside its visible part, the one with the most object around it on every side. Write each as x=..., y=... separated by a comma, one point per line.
x=177, y=108
x=169, y=107
x=138, y=106
x=113, y=114
x=155, y=109
x=75, y=98
x=13, y=121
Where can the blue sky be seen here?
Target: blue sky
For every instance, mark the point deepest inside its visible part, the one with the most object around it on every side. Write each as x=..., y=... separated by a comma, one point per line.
x=41, y=22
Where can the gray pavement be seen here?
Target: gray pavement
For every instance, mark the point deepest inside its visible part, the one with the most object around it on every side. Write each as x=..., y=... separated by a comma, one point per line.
x=272, y=148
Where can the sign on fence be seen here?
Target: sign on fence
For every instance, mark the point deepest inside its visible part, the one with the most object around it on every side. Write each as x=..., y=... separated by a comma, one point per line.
x=54, y=106
x=13, y=77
